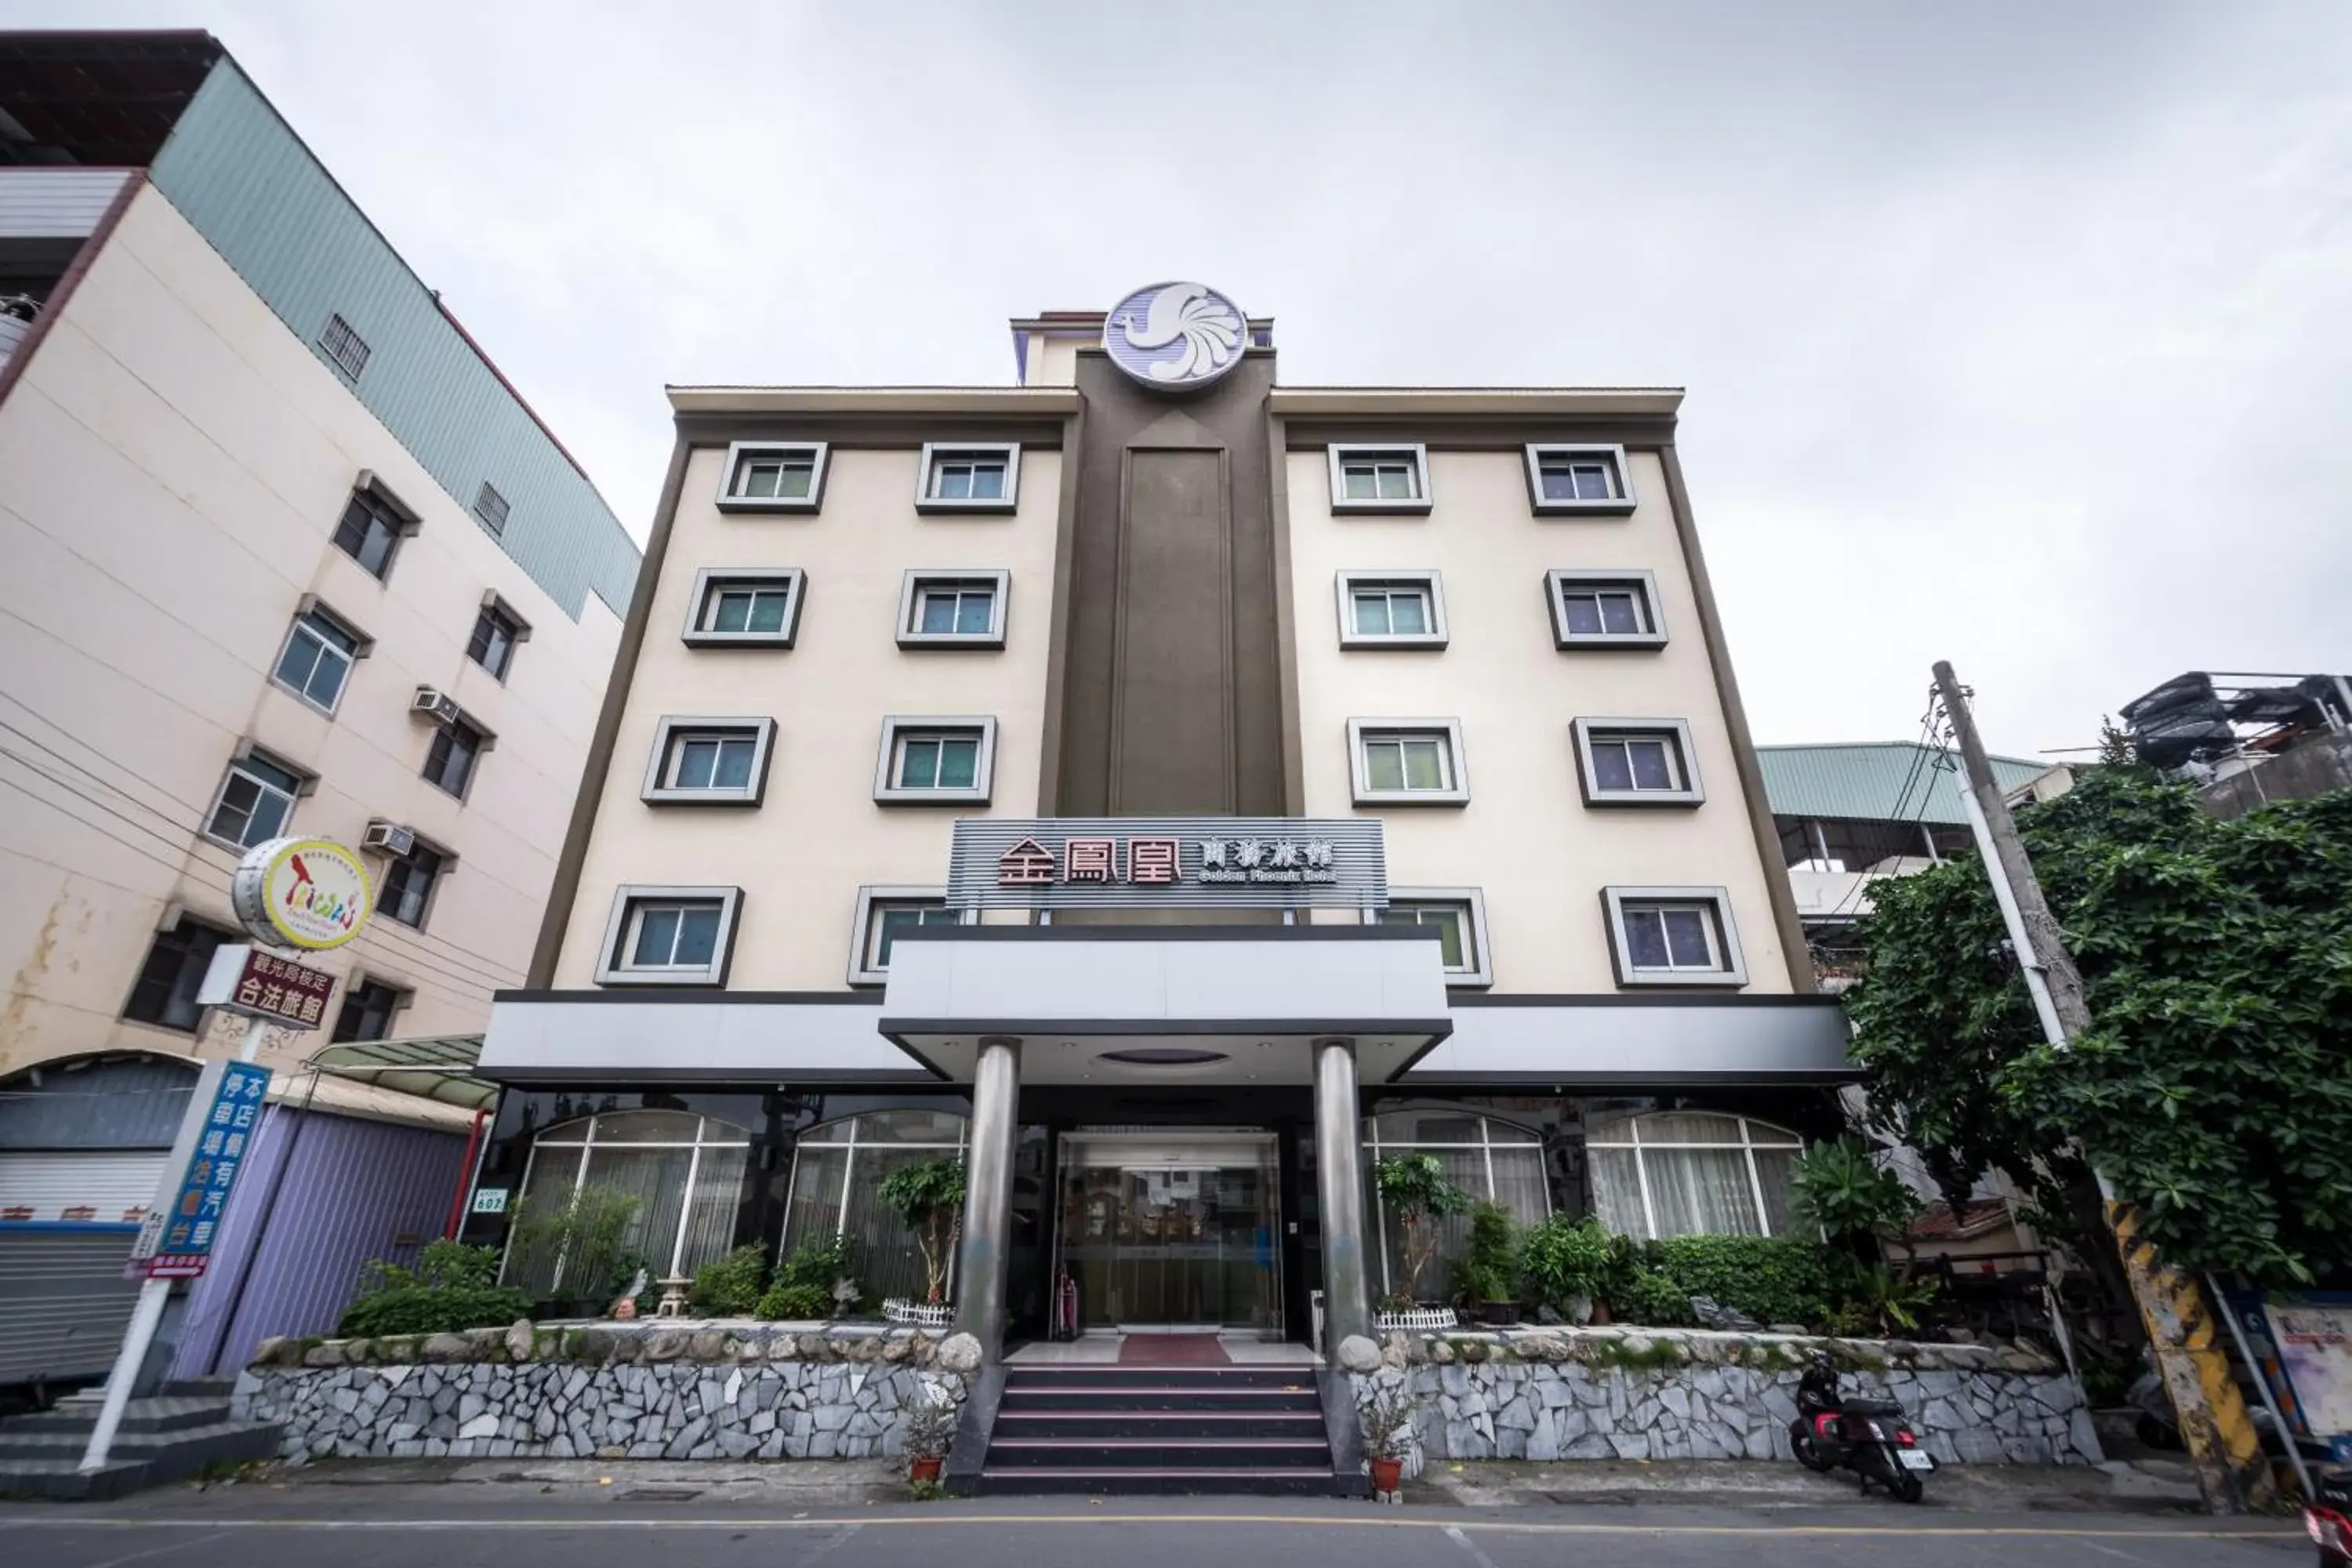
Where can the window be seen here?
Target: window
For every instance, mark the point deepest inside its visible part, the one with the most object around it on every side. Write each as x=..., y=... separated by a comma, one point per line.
x=710, y=761
x=958, y=609
x=406, y=890
x=944, y=759
x=1408, y=761
x=1592, y=481
x=344, y=348
x=317, y=658
x=164, y=995
x=885, y=914
x=1458, y=915
x=368, y=1009
x=1674, y=936
x=1689, y=1172
x=1485, y=1158
x=745, y=607
x=1636, y=761
x=496, y=631
x=669, y=936
x=1391, y=609
x=969, y=479
x=374, y=525
x=685, y=1171
x=1380, y=478
x=766, y=476
x=449, y=760
x=491, y=507
x=838, y=1169
x=256, y=798
x=1605, y=609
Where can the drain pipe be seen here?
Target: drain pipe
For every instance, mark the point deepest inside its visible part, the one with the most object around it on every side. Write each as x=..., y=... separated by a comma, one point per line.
x=469, y=1170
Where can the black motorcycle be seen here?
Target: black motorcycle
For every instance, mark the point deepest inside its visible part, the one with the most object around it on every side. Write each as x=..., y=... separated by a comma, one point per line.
x=1872, y=1438
x=2329, y=1517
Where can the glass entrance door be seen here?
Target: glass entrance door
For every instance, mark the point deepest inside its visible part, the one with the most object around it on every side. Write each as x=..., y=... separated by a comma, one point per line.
x=1175, y=1231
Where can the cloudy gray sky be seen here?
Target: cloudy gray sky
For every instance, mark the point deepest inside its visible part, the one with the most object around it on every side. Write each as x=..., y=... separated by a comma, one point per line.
x=2019, y=334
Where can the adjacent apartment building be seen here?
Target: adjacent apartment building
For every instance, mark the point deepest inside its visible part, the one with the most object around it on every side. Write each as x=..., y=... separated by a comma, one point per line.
x=284, y=554
x=1173, y=789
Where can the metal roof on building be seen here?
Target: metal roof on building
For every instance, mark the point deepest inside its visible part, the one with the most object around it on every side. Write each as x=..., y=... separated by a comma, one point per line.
x=237, y=172
x=1875, y=781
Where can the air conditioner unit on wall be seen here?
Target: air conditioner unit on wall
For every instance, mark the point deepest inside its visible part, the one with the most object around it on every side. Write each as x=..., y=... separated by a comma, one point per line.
x=388, y=837
x=435, y=704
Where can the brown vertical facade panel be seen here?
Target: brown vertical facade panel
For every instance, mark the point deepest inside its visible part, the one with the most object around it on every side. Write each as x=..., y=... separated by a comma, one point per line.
x=1171, y=698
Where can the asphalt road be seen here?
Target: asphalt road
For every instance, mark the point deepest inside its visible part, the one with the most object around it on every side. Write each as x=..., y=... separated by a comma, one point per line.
x=402, y=1527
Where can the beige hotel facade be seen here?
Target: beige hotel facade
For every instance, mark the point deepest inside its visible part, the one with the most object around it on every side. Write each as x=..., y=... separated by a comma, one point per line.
x=1173, y=789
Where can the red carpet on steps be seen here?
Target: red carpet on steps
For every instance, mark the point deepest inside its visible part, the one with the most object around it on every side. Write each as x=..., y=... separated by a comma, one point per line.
x=1172, y=1350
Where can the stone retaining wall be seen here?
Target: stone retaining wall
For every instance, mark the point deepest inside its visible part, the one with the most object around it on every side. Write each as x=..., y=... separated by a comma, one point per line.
x=614, y=1392
x=1661, y=1395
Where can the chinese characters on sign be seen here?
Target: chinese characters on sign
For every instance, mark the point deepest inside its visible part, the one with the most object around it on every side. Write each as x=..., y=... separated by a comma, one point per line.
x=178, y=1233
x=281, y=990
x=1151, y=862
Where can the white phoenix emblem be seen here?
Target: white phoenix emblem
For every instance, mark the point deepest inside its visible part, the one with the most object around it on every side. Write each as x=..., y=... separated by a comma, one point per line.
x=1209, y=328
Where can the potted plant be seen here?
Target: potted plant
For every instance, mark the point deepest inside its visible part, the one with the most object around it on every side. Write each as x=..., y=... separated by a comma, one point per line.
x=1416, y=1190
x=931, y=1430
x=928, y=1199
x=1487, y=1280
x=1572, y=1264
x=1385, y=1416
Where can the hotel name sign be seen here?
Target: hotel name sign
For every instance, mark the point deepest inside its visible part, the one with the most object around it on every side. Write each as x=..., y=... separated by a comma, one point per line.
x=1135, y=862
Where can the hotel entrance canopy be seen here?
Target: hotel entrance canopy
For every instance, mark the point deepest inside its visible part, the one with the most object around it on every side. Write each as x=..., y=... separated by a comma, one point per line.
x=1134, y=1004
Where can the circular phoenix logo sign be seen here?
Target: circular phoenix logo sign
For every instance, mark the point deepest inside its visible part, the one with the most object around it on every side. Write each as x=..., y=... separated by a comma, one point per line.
x=1175, y=336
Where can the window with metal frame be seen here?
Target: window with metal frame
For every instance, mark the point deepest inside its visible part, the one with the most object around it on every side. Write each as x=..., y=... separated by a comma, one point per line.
x=164, y=995
x=496, y=631
x=369, y=533
x=449, y=759
x=685, y=1171
x=1688, y=1173
x=935, y=759
x=775, y=474
x=1404, y=762
x=711, y=760
x=1596, y=609
x=674, y=934
x=369, y=1006
x=755, y=610
x=343, y=346
x=1485, y=1157
x=838, y=1168
x=953, y=608
x=1391, y=609
x=1457, y=937
x=1629, y=762
x=1673, y=936
x=256, y=797
x=1570, y=477
x=968, y=476
x=406, y=890
x=317, y=658
x=887, y=919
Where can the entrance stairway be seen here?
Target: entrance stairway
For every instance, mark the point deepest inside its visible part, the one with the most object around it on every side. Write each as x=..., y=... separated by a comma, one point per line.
x=184, y=1431
x=1161, y=1430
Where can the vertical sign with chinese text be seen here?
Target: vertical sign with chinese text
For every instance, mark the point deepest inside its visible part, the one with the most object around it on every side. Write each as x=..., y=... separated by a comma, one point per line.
x=184, y=1224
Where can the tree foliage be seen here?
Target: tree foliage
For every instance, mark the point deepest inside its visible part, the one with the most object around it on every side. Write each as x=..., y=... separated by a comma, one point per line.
x=929, y=1198
x=2215, y=1086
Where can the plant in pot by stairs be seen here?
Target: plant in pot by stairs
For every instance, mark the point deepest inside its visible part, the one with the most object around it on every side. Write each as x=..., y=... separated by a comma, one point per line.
x=930, y=1431
x=927, y=1198
x=1415, y=1190
x=1572, y=1266
x=1487, y=1280
x=1385, y=1415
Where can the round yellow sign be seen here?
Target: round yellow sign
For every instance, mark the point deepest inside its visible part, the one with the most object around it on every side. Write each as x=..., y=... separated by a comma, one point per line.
x=310, y=893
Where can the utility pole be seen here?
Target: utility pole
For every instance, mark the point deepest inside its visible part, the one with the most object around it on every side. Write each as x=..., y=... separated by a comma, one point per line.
x=2214, y=1425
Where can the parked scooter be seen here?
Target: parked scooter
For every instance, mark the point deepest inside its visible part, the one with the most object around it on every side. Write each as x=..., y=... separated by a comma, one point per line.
x=1872, y=1438
x=2329, y=1517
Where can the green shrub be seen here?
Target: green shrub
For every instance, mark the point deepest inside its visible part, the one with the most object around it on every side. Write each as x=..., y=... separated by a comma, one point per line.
x=784, y=1300
x=1565, y=1258
x=1490, y=1270
x=819, y=1263
x=452, y=1288
x=1648, y=1299
x=730, y=1287
x=1773, y=1279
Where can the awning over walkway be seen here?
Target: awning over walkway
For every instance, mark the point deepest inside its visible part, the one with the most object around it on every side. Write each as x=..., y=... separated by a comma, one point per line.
x=438, y=1066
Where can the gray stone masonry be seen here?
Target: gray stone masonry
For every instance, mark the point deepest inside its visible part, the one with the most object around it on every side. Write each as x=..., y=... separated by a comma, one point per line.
x=613, y=1391
x=1655, y=1394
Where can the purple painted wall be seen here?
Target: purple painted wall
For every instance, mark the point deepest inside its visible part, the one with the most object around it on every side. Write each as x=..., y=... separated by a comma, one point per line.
x=353, y=1190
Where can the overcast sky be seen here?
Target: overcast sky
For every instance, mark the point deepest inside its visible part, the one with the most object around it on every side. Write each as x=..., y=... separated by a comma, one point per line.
x=2015, y=334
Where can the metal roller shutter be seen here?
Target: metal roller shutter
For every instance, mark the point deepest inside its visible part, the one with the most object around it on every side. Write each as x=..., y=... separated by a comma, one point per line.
x=64, y=1301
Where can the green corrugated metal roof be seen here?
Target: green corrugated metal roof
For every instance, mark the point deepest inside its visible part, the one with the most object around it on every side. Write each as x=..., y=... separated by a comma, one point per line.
x=1875, y=781
x=240, y=176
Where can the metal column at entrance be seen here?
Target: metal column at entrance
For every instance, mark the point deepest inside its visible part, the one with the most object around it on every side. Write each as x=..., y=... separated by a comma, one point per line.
x=1180, y=1229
